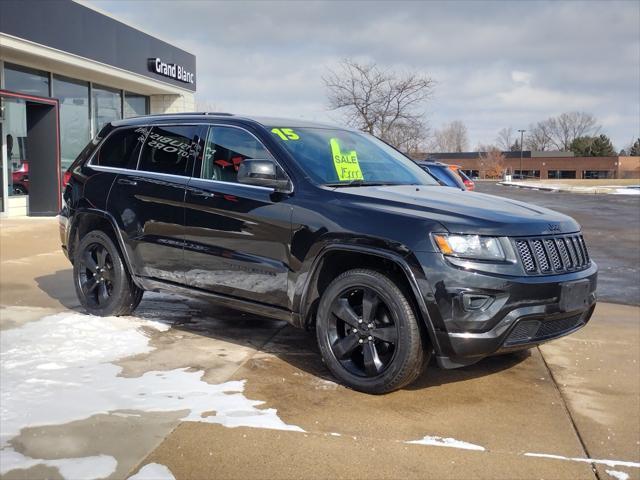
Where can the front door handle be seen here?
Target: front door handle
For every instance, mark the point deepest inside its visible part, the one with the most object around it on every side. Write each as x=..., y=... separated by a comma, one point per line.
x=126, y=181
x=202, y=193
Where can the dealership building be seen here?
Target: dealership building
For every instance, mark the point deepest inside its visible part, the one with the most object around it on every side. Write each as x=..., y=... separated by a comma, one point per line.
x=65, y=71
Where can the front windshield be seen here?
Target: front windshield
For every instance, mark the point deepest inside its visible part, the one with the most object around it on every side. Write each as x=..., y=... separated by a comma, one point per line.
x=338, y=157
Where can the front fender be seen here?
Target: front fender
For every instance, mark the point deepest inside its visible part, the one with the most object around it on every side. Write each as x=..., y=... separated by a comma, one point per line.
x=407, y=264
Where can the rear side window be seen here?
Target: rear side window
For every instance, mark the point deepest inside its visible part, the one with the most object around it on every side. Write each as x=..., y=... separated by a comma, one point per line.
x=168, y=149
x=121, y=149
x=225, y=149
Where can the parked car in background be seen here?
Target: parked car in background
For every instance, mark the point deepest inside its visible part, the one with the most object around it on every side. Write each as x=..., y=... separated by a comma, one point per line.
x=20, y=179
x=445, y=175
x=468, y=183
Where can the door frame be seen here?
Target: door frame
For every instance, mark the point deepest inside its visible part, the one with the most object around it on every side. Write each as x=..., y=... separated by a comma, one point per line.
x=5, y=169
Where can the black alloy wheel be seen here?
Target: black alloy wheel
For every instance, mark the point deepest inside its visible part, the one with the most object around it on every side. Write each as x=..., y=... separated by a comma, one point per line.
x=368, y=332
x=363, y=334
x=103, y=284
x=96, y=274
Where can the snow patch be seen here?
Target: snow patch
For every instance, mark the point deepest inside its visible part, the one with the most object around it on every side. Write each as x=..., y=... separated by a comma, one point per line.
x=618, y=475
x=626, y=191
x=153, y=471
x=85, y=468
x=447, y=442
x=59, y=369
x=608, y=463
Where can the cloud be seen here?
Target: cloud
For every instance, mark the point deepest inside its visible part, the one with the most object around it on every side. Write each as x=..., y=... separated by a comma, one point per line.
x=546, y=100
x=497, y=63
x=521, y=77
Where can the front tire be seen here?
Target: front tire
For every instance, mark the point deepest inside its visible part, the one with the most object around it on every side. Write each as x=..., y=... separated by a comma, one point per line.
x=103, y=284
x=368, y=333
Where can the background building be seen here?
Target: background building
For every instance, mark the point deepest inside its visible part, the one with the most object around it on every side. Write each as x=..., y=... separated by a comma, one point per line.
x=65, y=71
x=543, y=165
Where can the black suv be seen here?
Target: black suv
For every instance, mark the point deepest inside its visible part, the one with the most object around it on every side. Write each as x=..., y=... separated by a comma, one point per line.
x=323, y=227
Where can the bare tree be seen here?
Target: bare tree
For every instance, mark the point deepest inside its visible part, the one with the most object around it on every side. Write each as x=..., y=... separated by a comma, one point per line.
x=451, y=137
x=538, y=137
x=559, y=132
x=409, y=138
x=505, y=139
x=493, y=162
x=566, y=127
x=380, y=102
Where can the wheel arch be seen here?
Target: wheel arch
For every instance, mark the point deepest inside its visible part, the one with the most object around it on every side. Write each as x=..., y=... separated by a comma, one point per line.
x=336, y=259
x=86, y=220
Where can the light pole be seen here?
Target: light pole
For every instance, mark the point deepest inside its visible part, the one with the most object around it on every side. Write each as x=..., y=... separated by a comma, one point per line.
x=521, y=147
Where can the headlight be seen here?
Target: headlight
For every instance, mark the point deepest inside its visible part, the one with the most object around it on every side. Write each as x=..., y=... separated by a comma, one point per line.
x=470, y=246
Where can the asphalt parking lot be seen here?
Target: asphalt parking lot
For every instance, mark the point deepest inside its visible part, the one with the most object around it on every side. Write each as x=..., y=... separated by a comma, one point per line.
x=611, y=228
x=188, y=390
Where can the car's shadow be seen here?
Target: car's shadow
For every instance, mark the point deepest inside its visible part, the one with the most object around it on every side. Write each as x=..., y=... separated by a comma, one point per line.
x=295, y=346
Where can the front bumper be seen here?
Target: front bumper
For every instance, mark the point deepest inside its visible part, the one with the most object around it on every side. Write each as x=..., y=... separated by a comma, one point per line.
x=477, y=314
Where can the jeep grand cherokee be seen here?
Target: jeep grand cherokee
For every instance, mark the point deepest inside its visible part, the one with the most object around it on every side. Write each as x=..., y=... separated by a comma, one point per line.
x=326, y=228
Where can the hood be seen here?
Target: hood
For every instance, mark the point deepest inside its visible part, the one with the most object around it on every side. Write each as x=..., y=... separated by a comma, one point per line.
x=464, y=211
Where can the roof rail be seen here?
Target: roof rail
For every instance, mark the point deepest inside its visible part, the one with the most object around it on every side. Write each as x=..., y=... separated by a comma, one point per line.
x=191, y=113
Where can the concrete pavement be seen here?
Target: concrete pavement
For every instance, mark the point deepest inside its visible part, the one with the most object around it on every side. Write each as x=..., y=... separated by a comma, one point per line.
x=259, y=403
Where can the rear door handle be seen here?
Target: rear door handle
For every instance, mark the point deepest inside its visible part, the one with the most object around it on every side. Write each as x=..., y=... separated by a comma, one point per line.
x=126, y=181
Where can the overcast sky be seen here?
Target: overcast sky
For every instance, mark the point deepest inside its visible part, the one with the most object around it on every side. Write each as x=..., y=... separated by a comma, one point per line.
x=496, y=64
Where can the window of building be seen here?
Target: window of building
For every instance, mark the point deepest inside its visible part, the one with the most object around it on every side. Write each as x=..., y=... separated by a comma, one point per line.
x=106, y=105
x=596, y=174
x=168, y=149
x=26, y=80
x=562, y=174
x=75, y=126
x=225, y=150
x=527, y=173
x=135, y=105
x=121, y=149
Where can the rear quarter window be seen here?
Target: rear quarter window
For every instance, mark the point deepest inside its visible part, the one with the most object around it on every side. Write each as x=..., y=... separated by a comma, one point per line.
x=121, y=149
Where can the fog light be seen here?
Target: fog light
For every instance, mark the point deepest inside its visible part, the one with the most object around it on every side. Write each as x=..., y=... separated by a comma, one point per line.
x=474, y=301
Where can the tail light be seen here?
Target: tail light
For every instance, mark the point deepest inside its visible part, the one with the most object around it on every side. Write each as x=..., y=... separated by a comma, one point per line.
x=469, y=184
x=66, y=178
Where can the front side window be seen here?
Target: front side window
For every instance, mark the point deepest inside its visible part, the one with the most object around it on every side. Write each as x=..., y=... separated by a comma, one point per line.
x=121, y=149
x=336, y=157
x=168, y=149
x=225, y=149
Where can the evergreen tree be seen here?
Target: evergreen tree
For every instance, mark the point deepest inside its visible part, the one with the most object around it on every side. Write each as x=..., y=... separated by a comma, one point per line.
x=634, y=151
x=582, y=146
x=599, y=146
x=602, y=147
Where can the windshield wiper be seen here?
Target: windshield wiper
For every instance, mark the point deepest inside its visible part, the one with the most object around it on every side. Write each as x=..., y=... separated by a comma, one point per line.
x=359, y=183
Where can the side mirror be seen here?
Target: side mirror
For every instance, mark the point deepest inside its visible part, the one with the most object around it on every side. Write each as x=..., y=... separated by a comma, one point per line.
x=264, y=173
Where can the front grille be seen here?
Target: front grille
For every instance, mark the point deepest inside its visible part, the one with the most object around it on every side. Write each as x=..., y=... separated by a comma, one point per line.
x=550, y=255
x=531, y=331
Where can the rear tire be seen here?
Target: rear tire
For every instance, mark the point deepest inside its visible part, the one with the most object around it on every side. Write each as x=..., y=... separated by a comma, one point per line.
x=103, y=284
x=368, y=333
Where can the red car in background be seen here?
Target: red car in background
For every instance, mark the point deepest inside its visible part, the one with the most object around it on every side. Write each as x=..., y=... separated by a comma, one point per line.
x=20, y=179
x=468, y=183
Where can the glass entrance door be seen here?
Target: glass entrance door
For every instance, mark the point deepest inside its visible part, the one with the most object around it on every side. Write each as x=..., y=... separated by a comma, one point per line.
x=3, y=154
x=14, y=131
